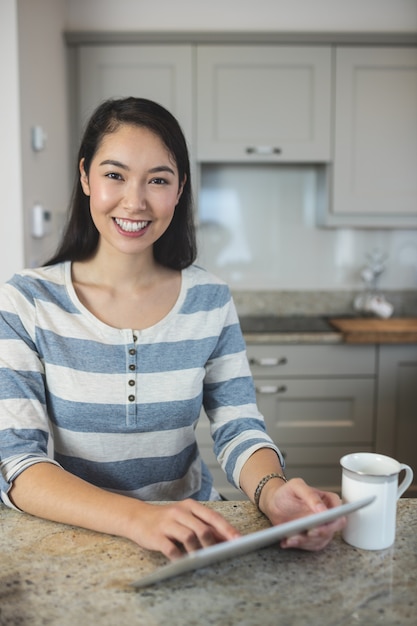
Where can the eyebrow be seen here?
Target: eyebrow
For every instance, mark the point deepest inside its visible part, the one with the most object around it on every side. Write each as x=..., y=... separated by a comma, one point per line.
x=153, y=170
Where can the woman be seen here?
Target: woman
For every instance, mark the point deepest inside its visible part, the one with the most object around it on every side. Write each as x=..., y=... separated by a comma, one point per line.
x=109, y=351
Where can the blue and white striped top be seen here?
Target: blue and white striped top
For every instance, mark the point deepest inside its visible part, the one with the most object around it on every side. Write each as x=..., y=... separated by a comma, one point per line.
x=121, y=406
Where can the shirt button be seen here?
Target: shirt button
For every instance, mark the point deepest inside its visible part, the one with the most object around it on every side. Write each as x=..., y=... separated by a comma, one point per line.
x=131, y=398
x=132, y=383
x=132, y=351
x=135, y=338
x=132, y=367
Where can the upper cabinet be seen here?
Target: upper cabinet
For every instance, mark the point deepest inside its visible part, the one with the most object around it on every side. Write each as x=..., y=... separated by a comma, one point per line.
x=374, y=180
x=349, y=110
x=263, y=103
x=162, y=73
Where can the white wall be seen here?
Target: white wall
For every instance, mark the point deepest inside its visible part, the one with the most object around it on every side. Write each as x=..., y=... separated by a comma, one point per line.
x=11, y=229
x=236, y=15
x=44, y=103
x=258, y=231
x=34, y=91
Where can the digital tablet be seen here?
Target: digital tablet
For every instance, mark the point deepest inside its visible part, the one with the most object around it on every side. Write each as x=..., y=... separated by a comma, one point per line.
x=248, y=543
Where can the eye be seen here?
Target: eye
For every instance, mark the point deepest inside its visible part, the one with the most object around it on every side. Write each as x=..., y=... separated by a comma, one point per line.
x=158, y=181
x=114, y=176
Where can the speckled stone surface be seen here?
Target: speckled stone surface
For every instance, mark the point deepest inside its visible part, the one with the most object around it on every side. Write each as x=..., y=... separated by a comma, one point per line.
x=289, y=338
x=53, y=574
x=310, y=303
x=329, y=302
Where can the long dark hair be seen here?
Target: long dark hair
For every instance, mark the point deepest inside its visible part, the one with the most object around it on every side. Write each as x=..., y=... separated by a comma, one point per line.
x=176, y=248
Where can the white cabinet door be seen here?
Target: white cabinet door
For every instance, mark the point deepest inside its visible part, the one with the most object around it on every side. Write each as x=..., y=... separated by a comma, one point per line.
x=263, y=103
x=310, y=360
x=162, y=73
x=396, y=433
x=317, y=411
x=318, y=404
x=375, y=151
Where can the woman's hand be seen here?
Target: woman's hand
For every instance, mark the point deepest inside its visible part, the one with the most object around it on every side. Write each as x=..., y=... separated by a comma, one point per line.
x=179, y=527
x=284, y=503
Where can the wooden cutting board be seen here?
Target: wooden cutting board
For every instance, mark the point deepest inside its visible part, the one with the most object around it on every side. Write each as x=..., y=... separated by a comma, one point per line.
x=370, y=330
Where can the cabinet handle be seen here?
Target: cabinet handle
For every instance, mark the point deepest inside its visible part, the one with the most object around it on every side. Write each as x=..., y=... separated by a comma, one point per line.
x=271, y=389
x=268, y=361
x=263, y=150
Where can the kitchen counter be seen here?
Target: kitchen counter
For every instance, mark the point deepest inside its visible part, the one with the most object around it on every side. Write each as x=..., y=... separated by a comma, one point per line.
x=60, y=575
x=372, y=330
x=288, y=329
x=293, y=337
x=321, y=329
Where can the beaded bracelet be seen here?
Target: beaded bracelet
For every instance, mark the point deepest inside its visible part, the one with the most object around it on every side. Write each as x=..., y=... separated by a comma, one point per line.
x=262, y=484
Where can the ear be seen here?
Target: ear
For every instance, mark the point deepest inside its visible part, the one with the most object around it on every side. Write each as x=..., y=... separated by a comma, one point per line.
x=84, y=178
x=181, y=188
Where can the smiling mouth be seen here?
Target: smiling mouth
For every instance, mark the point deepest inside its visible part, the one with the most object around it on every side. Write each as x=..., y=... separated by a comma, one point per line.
x=129, y=226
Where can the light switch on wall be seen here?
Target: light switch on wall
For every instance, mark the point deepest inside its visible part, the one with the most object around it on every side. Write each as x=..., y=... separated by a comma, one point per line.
x=41, y=221
x=38, y=138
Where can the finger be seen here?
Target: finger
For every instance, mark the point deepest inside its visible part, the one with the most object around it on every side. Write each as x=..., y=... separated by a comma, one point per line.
x=170, y=548
x=196, y=535
x=326, y=531
x=330, y=499
x=316, y=500
x=305, y=543
x=194, y=526
x=179, y=539
x=220, y=527
x=316, y=538
x=191, y=539
x=188, y=526
x=204, y=533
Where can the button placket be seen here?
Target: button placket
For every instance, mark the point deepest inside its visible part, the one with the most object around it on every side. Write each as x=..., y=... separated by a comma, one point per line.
x=131, y=379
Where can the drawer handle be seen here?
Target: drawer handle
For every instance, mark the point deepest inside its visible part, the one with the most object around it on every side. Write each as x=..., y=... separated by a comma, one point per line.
x=268, y=361
x=263, y=150
x=271, y=389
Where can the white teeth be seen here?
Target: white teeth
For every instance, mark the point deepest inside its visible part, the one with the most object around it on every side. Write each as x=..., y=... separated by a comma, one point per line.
x=130, y=227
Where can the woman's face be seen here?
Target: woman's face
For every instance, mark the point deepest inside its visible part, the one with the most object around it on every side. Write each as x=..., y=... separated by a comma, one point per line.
x=134, y=187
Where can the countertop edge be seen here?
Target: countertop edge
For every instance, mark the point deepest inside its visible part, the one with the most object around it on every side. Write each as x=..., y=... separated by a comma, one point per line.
x=283, y=337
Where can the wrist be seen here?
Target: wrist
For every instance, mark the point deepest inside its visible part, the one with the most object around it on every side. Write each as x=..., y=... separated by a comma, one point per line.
x=132, y=514
x=266, y=484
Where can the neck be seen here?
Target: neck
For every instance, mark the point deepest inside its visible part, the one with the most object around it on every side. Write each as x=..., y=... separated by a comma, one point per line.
x=118, y=271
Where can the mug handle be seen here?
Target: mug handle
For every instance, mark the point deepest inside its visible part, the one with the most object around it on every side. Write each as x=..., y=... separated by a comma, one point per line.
x=407, y=480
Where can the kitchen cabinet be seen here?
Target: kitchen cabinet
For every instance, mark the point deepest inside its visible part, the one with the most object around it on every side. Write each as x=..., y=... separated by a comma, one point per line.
x=263, y=103
x=162, y=73
x=348, y=110
x=318, y=404
x=374, y=180
x=396, y=433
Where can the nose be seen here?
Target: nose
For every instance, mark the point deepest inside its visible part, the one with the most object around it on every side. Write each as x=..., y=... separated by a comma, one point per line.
x=135, y=196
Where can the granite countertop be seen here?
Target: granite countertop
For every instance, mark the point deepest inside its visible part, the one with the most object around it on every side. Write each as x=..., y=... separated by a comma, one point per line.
x=317, y=305
x=60, y=575
x=288, y=329
x=270, y=329
x=294, y=337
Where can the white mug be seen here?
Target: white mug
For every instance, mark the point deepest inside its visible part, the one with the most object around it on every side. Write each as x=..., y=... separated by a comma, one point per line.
x=365, y=474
